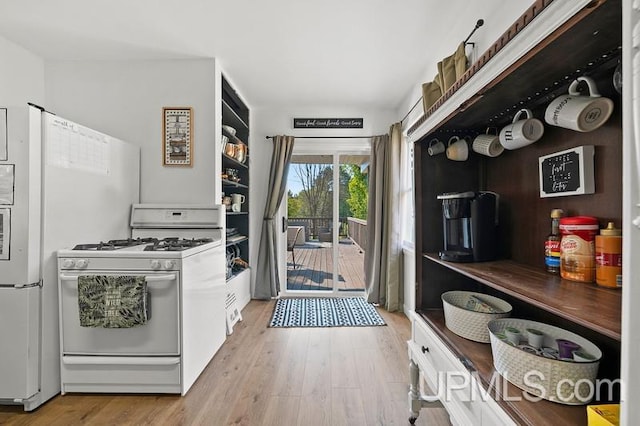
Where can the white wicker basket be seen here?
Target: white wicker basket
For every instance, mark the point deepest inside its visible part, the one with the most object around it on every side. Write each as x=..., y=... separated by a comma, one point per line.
x=565, y=382
x=470, y=324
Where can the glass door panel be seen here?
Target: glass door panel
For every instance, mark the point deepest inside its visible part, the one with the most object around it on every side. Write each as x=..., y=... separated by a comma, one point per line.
x=310, y=223
x=352, y=221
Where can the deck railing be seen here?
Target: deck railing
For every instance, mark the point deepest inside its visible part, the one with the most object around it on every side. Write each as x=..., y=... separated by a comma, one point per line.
x=358, y=232
x=316, y=227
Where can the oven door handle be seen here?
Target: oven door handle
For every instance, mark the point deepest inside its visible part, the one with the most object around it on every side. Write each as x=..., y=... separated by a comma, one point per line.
x=149, y=278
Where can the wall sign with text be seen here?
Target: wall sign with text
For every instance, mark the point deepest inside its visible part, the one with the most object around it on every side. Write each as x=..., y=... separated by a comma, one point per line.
x=568, y=172
x=327, y=123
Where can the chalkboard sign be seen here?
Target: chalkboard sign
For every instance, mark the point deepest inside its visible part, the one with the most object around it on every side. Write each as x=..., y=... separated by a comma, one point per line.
x=568, y=172
x=327, y=123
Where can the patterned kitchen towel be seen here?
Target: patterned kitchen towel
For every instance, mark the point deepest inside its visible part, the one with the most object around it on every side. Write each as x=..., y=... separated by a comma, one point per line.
x=111, y=301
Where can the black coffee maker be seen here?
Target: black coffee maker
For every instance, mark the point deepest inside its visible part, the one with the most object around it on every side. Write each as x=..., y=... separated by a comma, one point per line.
x=470, y=222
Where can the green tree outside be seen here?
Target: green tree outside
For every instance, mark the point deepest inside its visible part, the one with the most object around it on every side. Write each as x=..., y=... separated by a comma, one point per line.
x=294, y=205
x=316, y=196
x=358, y=192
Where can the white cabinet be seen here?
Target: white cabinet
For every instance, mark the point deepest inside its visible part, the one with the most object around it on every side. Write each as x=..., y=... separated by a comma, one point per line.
x=454, y=385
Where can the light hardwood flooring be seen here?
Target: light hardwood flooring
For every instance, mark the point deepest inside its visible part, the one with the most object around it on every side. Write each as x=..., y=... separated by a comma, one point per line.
x=269, y=376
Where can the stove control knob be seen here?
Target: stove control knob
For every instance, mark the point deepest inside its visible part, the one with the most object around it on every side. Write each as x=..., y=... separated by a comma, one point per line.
x=155, y=264
x=68, y=263
x=168, y=264
x=81, y=263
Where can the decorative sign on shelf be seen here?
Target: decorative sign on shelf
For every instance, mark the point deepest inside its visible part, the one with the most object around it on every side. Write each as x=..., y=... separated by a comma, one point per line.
x=327, y=123
x=568, y=172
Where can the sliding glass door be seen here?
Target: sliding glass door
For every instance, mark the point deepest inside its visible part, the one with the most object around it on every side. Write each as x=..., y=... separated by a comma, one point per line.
x=325, y=220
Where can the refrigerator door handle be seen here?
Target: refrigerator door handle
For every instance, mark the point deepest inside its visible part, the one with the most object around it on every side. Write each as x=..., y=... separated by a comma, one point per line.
x=27, y=285
x=149, y=278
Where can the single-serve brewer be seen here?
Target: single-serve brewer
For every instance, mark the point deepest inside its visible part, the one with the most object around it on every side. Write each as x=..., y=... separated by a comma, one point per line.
x=470, y=225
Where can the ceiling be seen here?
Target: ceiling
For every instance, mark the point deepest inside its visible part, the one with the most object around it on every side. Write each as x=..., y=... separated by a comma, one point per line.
x=293, y=53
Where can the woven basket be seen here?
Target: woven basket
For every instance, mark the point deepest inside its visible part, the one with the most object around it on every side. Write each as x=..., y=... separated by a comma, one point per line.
x=565, y=382
x=470, y=324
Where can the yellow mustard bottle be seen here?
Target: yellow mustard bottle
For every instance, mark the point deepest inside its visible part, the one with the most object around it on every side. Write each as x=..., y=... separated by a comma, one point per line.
x=609, y=257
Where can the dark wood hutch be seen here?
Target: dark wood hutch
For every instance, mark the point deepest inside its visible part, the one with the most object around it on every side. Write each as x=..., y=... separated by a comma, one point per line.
x=589, y=43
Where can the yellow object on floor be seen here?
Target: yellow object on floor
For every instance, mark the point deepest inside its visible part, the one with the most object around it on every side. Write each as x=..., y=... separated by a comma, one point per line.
x=603, y=415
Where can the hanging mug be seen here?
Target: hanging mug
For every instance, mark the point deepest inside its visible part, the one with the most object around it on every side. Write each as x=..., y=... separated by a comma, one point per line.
x=435, y=147
x=457, y=149
x=578, y=112
x=521, y=132
x=487, y=144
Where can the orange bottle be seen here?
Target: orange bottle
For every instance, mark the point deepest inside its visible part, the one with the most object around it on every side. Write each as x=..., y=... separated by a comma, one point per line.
x=609, y=257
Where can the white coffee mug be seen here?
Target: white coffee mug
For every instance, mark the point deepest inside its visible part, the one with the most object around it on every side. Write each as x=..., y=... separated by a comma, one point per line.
x=457, y=149
x=580, y=113
x=435, y=147
x=235, y=207
x=521, y=132
x=488, y=145
x=237, y=199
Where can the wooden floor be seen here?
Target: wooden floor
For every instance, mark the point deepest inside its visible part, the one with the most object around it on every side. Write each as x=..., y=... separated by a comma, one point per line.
x=269, y=376
x=314, y=266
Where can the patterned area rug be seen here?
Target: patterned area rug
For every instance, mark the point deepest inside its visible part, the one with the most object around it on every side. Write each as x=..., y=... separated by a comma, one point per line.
x=325, y=312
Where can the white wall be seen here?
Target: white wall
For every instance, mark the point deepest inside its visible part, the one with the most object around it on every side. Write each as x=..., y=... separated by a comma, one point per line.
x=21, y=76
x=125, y=99
x=271, y=121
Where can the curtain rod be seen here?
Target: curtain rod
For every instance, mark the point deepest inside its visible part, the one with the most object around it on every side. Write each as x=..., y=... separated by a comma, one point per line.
x=327, y=137
x=478, y=25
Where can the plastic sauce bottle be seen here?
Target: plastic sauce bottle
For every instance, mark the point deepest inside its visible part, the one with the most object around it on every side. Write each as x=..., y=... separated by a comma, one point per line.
x=609, y=257
x=552, y=244
x=577, y=248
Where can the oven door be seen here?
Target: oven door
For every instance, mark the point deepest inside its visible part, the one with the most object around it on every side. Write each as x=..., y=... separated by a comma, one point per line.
x=159, y=336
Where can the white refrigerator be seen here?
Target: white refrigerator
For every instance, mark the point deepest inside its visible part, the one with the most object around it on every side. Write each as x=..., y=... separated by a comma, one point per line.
x=61, y=184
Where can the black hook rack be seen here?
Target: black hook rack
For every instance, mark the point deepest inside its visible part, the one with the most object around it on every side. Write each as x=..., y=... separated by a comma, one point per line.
x=478, y=25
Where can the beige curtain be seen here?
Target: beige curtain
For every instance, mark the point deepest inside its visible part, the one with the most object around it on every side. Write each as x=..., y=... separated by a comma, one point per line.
x=450, y=69
x=267, y=282
x=382, y=260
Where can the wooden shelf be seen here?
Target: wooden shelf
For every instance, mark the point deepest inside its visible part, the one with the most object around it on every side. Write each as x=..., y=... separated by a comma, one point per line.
x=478, y=357
x=234, y=161
x=588, y=305
x=230, y=183
x=238, y=241
x=233, y=138
x=231, y=118
x=230, y=213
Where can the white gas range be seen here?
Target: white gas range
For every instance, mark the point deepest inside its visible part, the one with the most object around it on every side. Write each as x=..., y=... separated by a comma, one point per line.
x=180, y=253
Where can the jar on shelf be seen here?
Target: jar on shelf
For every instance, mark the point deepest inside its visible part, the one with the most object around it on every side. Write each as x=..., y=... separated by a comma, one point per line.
x=577, y=248
x=609, y=257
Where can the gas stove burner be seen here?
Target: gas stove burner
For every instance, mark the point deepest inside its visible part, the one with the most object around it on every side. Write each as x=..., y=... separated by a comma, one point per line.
x=116, y=244
x=132, y=242
x=177, y=244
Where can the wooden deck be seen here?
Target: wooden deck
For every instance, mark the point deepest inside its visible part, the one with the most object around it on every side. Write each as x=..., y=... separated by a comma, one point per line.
x=314, y=266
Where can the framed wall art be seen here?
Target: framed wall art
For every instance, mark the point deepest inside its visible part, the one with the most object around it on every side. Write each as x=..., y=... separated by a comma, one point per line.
x=3, y=134
x=177, y=130
x=5, y=233
x=7, y=179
